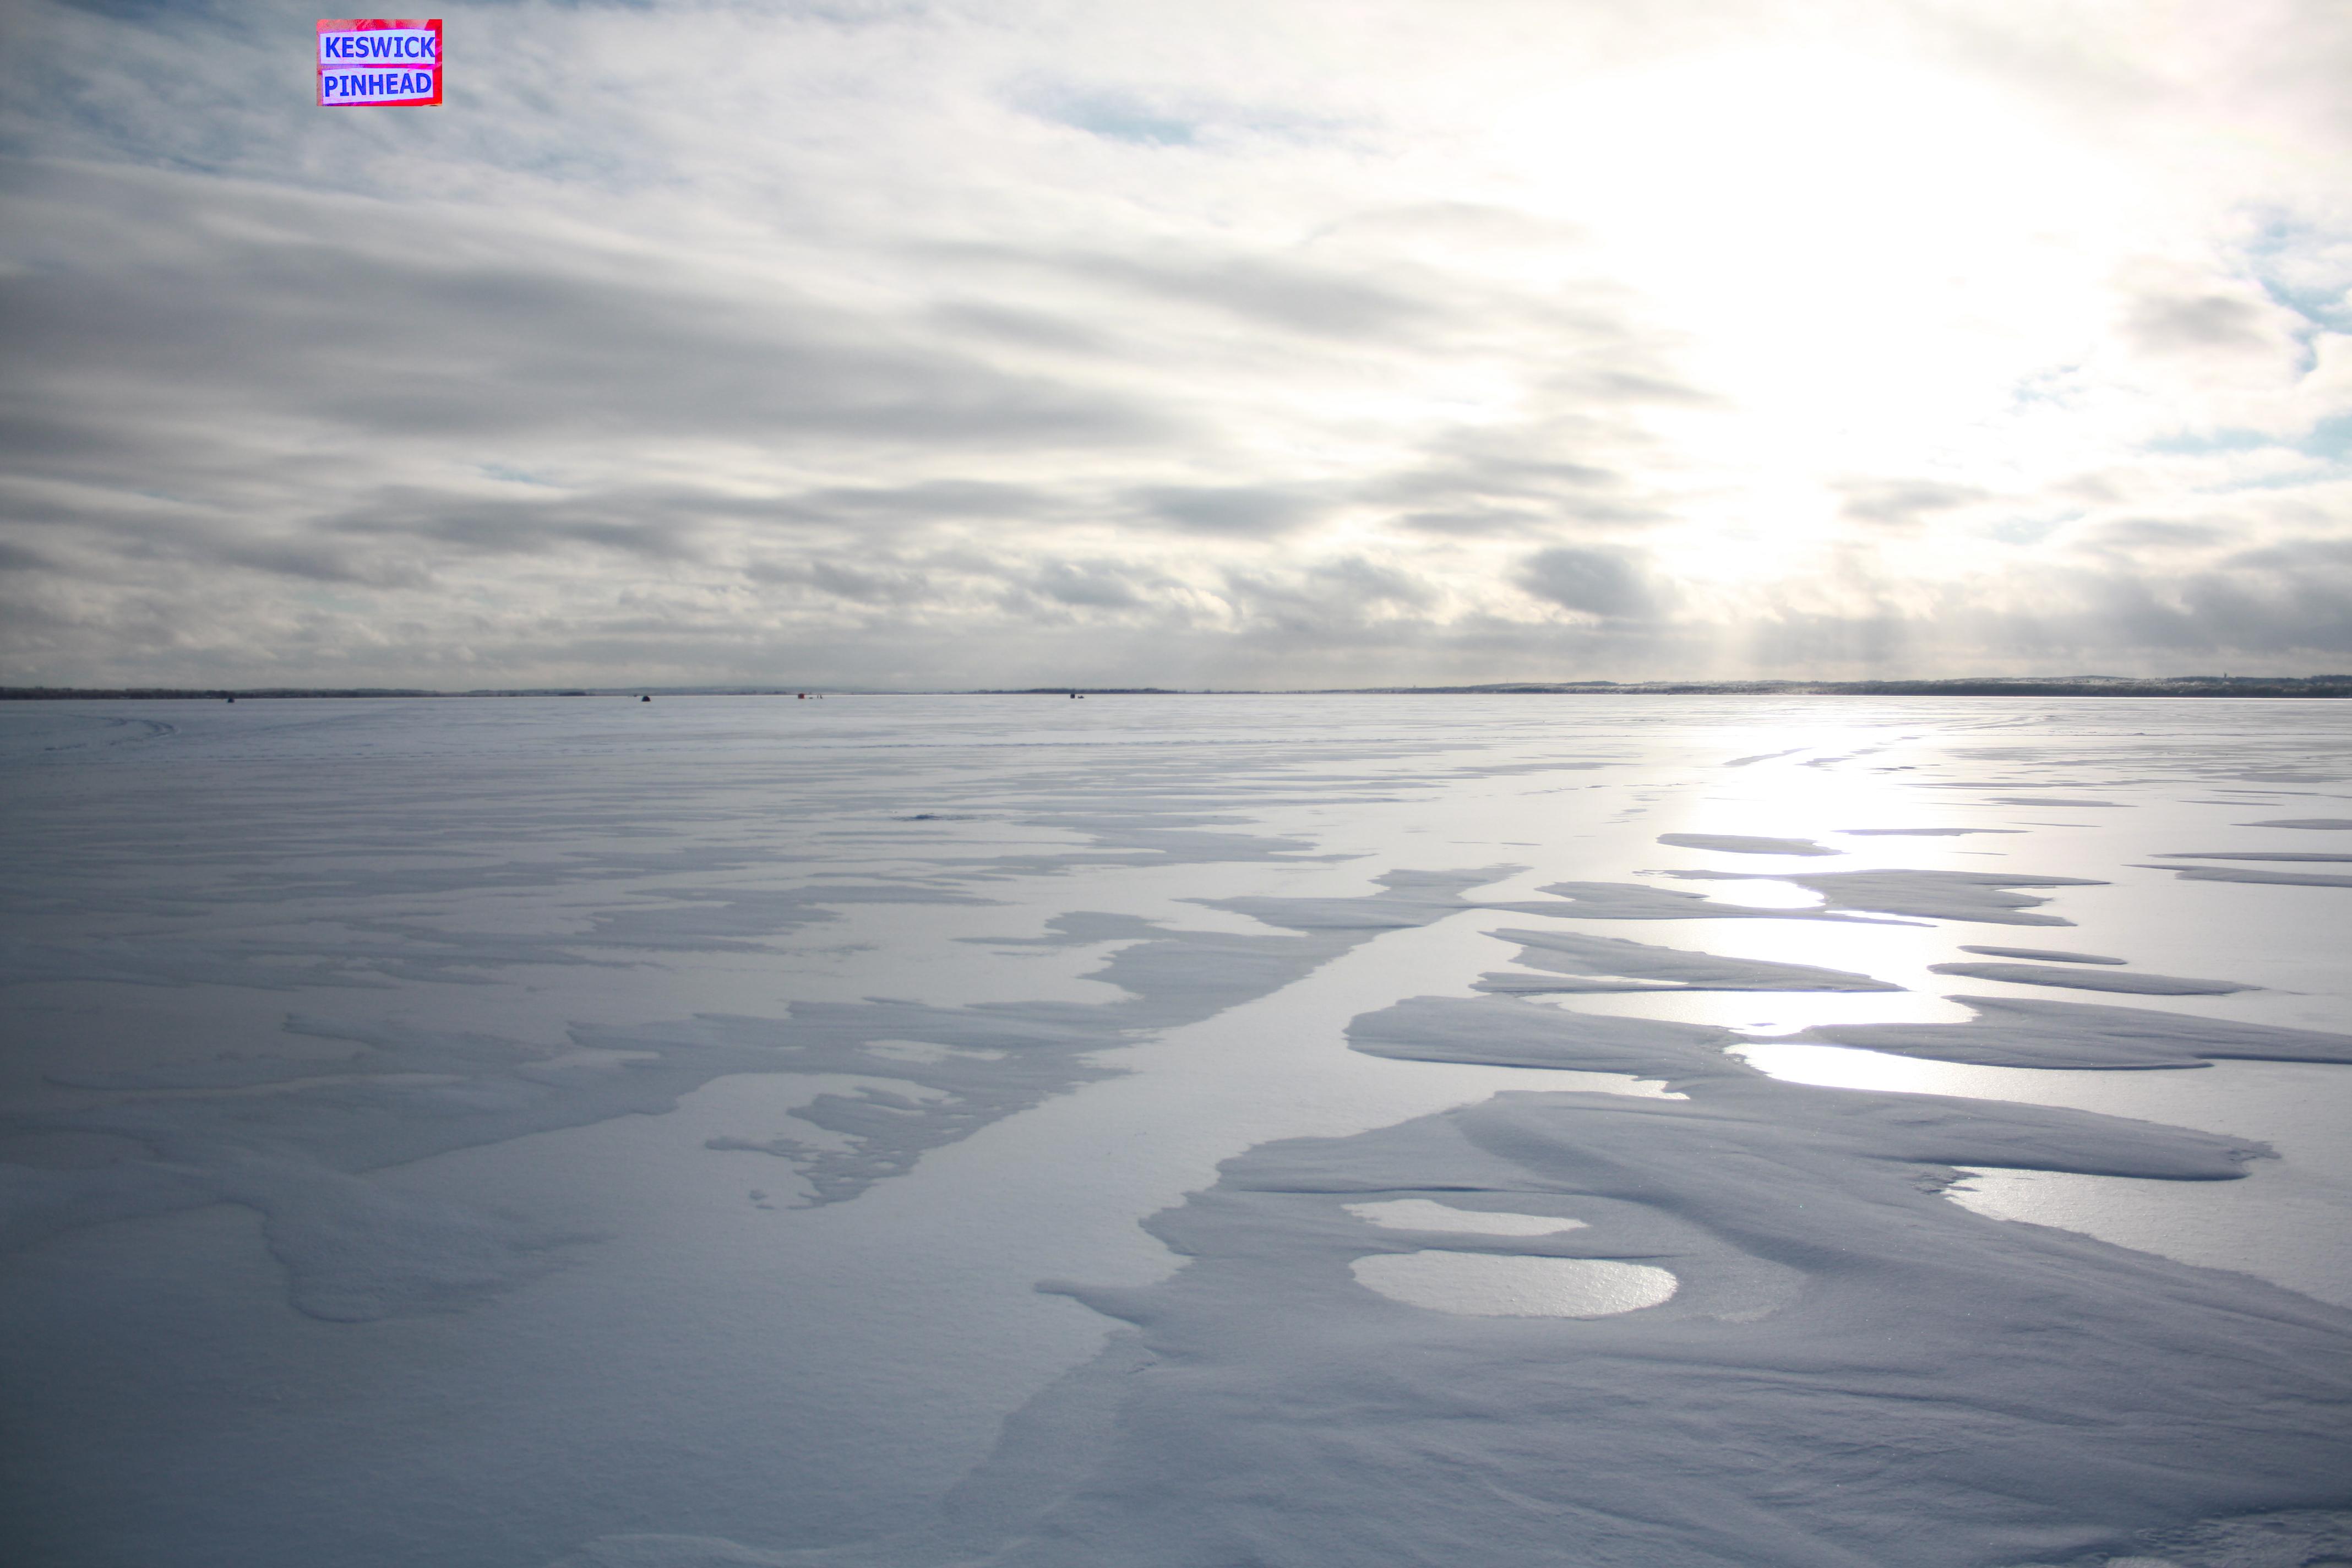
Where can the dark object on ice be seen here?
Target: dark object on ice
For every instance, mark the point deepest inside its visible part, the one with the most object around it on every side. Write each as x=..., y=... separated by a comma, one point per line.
x=802, y=695
x=644, y=699
x=232, y=699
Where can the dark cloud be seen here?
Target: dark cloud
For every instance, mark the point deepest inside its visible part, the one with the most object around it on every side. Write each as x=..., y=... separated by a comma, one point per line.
x=16, y=558
x=859, y=582
x=1603, y=583
x=533, y=527
x=388, y=326
x=1472, y=522
x=2297, y=556
x=1263, y=290
x=2131, y=534
x=2177, y=323
x=1348, y=601
x=1273, y=293
x=1092, y=585
x=1027, y=328
x=933, y=500
x=1486, y=474
x=1241, y=511
x=1500, y=484
x=1902, y=503
x=317, y=560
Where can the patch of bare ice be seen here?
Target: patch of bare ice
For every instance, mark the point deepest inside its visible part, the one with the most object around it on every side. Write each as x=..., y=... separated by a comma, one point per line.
x=1494, y=1285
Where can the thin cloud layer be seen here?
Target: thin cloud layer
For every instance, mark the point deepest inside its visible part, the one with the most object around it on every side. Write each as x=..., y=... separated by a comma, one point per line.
x=1291, y=345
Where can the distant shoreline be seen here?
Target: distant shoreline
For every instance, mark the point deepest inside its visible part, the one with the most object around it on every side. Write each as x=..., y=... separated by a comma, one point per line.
x=2310, y=686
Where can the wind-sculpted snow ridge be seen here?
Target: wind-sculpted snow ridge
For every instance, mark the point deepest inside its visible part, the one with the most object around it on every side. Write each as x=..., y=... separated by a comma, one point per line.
x=732, y=921
x=2091, y=979
x=1934, y=895
x=1640, y=902
x=2027, y=1032
x=2294, y=855
x=1984, y=895
x=2258, y=878
x=353, y=1251
x=2048, y=1395
x=1742, y=844
x=1602, y=964
x=2043, y=955
x=1920, y=832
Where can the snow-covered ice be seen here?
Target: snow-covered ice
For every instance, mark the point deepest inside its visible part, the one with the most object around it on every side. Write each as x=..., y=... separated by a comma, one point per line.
x=1184, y=1132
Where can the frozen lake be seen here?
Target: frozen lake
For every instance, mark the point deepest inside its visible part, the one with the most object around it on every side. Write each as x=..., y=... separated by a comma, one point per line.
x=1470, y=1131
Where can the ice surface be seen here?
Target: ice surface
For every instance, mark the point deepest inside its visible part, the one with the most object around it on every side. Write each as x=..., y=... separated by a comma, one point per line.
x=501, y=1134
x=1485, y=1285
x=1420, y=1214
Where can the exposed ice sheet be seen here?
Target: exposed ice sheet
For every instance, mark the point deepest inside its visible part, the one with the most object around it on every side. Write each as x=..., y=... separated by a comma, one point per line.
x=1485, y=1285
x=1420, y=1214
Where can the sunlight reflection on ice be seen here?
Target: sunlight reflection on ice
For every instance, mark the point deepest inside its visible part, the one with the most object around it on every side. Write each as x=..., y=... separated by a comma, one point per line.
x=1491, y=1285
x=1772, y=1011
x=2268, y=1223
x=1768, y=893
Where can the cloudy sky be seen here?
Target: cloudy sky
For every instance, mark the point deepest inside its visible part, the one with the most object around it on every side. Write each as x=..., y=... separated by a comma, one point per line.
x=1289, y=343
